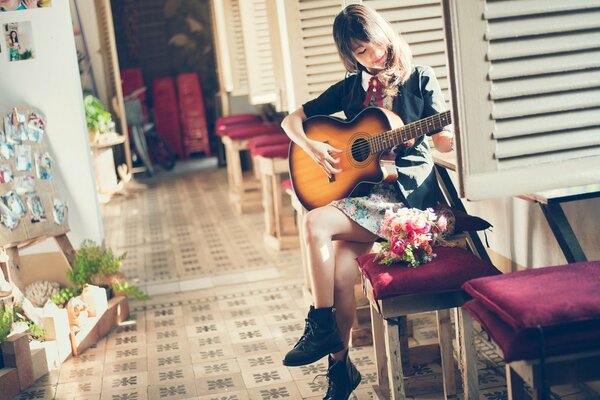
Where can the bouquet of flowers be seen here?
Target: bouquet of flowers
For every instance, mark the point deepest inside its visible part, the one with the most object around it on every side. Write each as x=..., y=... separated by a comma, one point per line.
x=410, y=235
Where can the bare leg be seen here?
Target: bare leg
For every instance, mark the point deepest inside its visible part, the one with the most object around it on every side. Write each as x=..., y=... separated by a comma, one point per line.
x=346, y=275
x=322, y=226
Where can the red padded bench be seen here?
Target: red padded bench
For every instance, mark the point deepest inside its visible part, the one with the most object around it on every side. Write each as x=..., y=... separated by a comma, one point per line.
x=396, y=291
x=546, y=322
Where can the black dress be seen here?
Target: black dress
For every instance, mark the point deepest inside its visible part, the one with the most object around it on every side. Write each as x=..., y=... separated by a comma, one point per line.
x=419, y=97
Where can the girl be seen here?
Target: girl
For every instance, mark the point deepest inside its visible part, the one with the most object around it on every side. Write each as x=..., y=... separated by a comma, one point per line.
x=380, y=73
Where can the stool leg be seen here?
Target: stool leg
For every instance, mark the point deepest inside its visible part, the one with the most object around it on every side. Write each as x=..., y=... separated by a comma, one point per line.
x=514, y=384
x=445, y=338
x=469, y=356
x=404, y=353
x=379, y=348
x=394, y=351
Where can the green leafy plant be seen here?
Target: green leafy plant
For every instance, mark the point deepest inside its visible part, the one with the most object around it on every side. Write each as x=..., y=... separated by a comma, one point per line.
x=98, y=265
x=6, y=320
x=96, y=116
x=34, y=330
x=64, y=295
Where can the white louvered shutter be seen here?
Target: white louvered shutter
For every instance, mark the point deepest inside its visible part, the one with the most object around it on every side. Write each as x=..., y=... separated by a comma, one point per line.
x=314, y=63
x=421, y=24
x=257, y=45
x=527, y=90
x=230, y=40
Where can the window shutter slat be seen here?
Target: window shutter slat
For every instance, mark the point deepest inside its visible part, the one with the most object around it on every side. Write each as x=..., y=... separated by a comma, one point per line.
x=258, y=52
x=528, y=88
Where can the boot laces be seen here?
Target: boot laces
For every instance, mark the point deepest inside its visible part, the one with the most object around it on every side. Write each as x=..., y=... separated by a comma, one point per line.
x=309, y=330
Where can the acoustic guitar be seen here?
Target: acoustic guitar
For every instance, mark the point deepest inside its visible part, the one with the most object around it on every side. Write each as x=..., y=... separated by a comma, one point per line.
x=365, y=160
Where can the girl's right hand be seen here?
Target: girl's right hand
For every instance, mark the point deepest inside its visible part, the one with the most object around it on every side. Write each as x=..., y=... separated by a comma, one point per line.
x=322, y=154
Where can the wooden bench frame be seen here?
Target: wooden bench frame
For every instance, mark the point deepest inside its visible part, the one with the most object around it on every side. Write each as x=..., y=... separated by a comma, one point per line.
x=279, y=233
x=244, y=192
x=557, y=370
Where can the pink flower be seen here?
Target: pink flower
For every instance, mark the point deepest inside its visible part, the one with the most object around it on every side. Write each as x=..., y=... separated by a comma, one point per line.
x=398, y=247
x=442, y=223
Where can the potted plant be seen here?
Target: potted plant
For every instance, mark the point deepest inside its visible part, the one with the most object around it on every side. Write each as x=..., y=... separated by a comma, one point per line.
x=98, y=265
x=6, y=320
x=97, y=118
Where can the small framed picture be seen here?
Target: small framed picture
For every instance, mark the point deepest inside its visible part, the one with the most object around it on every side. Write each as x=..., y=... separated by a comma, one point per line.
x=6, y=175
x=7, y=218
x=43, y=165
x=59, y=211
x=35, y=128
x=17, y=5
x=24, y=184
x=19, y=40
x=36, y=208
x=23, y=157
x=12, y=200
x=10, y=131
x=7, y=151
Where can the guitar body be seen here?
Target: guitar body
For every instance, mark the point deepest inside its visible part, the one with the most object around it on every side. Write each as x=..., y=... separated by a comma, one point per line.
x=360, y=168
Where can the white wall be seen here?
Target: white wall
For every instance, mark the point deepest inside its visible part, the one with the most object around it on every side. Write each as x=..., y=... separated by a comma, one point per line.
x=50, y=82
x=522, y=235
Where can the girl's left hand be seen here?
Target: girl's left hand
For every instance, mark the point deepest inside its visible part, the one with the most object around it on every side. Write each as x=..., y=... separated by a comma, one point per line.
x=30, y=3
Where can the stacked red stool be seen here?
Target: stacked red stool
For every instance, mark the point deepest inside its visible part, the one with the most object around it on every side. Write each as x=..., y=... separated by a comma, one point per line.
x=270, y=153
x=166, y=113
x=546, y=322
x=193, y=115
x=396, y=291
x=235, y=132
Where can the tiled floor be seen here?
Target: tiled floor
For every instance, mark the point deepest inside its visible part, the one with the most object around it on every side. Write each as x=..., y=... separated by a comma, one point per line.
x=224, y=310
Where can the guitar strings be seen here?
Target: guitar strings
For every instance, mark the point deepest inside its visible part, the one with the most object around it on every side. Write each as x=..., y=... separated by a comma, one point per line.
x=383, y=138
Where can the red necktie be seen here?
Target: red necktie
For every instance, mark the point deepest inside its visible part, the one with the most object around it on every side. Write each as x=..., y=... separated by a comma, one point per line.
x=374, y=93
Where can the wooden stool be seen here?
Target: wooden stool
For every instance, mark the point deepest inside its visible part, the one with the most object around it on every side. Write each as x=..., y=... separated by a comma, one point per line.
x=396, y=291
x=280, y=232
x=244, y=193
x=556, y=342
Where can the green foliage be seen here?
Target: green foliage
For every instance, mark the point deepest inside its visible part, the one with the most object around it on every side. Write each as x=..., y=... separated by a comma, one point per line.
x=34, y=330
x=96, y=115
x=64, y=295
x=130, y=290
x=6, y=320
x=94, y=264
x=99, y=266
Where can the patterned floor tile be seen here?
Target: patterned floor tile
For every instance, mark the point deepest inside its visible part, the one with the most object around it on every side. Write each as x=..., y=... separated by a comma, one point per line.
x=218, y=384
x=260, y=361
x=266, y=376
x=126, y=381
x=277, y=391
x=126, y=366
x=170, y=359
x=217, y=367
x=213, y=353
x=83, y=387
x=38, y=392
x=129, y=394
x=172, y=391
x=238, y=395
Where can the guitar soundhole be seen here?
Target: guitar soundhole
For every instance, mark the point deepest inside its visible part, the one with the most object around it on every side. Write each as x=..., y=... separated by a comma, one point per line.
x=360, y=150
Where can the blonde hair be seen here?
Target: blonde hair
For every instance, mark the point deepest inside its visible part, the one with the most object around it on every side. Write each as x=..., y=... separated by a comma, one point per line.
x=357, y=22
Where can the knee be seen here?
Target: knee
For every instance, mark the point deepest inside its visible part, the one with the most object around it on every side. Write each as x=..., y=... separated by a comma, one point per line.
x=314, y=229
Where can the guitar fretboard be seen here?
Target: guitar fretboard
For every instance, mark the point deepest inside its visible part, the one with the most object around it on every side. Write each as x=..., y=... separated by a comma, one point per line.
x=394, y=137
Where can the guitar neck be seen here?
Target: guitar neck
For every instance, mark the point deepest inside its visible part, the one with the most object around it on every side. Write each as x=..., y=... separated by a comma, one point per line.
x=389, y=139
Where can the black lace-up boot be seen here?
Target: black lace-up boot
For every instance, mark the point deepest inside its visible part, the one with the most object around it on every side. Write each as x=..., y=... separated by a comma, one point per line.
x=321, y=337
x=343, y=378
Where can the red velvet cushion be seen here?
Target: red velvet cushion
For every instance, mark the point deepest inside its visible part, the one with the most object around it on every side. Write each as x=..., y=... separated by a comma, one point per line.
x=526, y=344
x=275, y=151
x=451, y=268
x=240, y=132
x=286, y=185
x=267, y=140
x=542, y=296
x=466, y=222
x=235, y=119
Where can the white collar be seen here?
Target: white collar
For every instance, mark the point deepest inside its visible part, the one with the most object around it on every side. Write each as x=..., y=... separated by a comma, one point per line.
x=366, y=77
